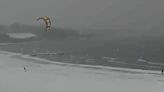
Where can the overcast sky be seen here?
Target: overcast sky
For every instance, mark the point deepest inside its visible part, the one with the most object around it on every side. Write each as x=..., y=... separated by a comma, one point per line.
x=85, y=13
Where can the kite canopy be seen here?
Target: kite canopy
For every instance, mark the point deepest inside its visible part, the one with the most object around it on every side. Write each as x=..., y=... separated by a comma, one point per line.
x=47, y=22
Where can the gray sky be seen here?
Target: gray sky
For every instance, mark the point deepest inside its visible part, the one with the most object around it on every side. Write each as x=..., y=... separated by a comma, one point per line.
x=137, y=14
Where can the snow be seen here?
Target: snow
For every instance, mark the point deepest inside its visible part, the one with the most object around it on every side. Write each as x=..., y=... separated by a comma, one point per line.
x=62, y=77
x=21, y=35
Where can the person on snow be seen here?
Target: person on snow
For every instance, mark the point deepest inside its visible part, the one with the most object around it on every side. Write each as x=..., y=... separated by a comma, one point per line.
x=25, y=69
x=162, y=69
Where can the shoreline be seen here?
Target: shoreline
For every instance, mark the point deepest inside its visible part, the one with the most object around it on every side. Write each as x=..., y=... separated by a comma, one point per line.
x=40, y=60
x=72, y=56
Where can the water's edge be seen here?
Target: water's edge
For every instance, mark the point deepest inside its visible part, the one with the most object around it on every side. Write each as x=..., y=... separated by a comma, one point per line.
x=99, y=67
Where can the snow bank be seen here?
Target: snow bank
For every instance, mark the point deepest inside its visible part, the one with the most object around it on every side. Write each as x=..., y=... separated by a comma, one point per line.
x=21, y=35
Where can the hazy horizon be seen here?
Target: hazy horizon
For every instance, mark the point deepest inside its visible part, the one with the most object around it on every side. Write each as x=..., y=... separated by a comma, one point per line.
x=104, y=14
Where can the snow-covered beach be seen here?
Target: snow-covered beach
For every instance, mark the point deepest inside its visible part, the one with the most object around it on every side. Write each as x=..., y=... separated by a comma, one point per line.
x=46, y=76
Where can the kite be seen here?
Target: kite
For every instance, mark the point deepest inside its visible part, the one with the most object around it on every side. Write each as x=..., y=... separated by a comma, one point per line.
x=47, y=22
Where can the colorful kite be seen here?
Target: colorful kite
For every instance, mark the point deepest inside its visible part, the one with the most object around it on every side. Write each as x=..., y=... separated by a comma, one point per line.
x=47, y=22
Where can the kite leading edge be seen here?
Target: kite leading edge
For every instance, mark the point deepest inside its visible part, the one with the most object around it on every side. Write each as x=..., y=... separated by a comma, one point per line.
x=47, y=22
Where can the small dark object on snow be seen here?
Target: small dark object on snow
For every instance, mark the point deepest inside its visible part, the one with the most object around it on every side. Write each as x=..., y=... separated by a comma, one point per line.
x=25, y=69
x=162, y=71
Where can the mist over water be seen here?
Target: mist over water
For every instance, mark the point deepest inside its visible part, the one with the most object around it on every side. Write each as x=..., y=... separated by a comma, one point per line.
x=127, y=30
x=134, y=50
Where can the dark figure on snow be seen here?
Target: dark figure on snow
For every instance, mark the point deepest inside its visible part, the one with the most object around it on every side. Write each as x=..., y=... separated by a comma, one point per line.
x=162, y=69
x=25, y=69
